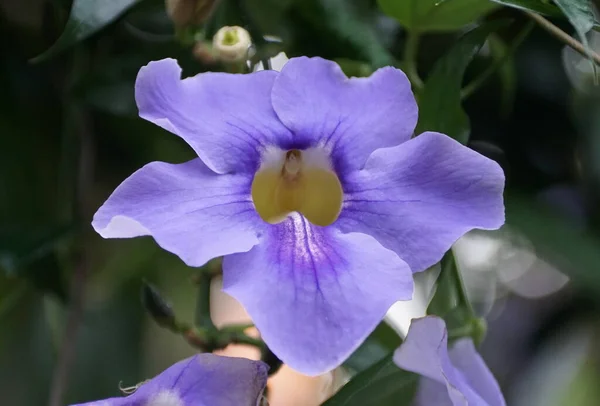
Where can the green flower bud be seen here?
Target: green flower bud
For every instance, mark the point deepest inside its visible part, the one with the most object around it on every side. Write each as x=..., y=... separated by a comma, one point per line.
x=158, y=307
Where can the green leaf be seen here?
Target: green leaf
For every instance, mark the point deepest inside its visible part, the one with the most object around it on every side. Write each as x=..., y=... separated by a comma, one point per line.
x=501, y=52
x=379, y=344
x=536, y=6
x=446, y=297
x=338, y=29
x=436, y=15
x=383, y=384
x=440, y=100
x=86, y=18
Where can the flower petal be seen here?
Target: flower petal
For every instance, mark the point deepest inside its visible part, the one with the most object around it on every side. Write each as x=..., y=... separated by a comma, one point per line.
x=201, y=380
x=188, y=209
x=465, y=357
x=425, y=352
x=315, y=293
x=227, y=119
x=352, y=117
x=418, y=198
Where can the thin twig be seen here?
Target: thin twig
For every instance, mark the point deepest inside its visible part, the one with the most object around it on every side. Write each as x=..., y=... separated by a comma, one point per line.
x=411, y=51
x=563, y=36
x=66, y=354
x=84, y=167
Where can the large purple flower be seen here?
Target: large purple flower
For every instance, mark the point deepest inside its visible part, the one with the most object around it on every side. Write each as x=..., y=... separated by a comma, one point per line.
x=201, y=380
x=458, y=377
x=311, y=186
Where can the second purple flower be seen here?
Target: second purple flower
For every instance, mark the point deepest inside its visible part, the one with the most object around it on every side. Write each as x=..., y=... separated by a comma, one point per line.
x=311, y=187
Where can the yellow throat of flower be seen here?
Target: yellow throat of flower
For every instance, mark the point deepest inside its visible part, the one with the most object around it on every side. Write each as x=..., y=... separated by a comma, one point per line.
x=297, y=185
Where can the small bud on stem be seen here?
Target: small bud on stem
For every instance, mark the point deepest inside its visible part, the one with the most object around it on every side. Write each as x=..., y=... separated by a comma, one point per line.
x=231, y=44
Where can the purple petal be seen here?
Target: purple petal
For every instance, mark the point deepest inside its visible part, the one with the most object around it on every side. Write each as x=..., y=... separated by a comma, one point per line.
x=315, y=293
x=466, y=359
x=188, y=209
x=201, y=380
x=352, y=117
x=227, y=119
x=425, y=352
x=418, y=198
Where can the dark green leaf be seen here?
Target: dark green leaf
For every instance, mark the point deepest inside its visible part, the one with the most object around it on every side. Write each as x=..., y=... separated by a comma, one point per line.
x=507, y=72
x=440, y=101
x=383, y=384
x=342, y=28
x=436, y=15
x=86, y=18
x=31, y=255
x=379, y=344
x=20, y=248
x=446, y=297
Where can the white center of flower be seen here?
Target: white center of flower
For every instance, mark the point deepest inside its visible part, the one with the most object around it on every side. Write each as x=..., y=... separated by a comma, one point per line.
x=300, y=181
x=165, y=398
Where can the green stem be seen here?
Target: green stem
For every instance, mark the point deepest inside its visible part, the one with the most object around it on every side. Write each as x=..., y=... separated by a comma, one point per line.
x=411, y=51
x=462, y=290
x=202, y=317
x=479, y=81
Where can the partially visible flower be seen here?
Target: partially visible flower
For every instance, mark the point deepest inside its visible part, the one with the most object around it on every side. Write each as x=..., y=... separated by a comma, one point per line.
x=455, y=377
x=231, y=44
x=201, y=380
x=312, y=187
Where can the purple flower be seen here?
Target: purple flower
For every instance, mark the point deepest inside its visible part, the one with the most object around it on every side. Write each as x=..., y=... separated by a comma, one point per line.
x=375, y=204
x=458, y=377
x=201, y=380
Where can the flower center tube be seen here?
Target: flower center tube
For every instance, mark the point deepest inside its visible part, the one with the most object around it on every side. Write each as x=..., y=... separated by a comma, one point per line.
x=297, y=181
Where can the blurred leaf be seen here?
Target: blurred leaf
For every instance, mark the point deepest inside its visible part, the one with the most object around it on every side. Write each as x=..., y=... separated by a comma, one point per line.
x=440, y=100
x=575, y=252
x=31, y=254
x=86, y=18
x=346, y=29
x=507, y=72
x=20, y=248
x=383, y=384
x=379, y=344
x=354, y=68
x=537, y=6
x=436, y=15
x=580, y=15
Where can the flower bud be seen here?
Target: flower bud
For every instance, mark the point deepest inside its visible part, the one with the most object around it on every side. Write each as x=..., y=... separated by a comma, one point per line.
x=231, y=44
x=158, y=307
x=189, y=12
x=203, y=52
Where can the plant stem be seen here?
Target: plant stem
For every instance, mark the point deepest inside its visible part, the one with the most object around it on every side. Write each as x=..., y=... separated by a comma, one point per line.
x=479, y=81
x=563, y=36
x=202, y=317
x=411, y=51
x=83, y=167
x=462, y=290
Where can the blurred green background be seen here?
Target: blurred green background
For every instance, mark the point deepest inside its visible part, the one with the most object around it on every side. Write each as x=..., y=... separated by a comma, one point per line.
x=69, y=134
